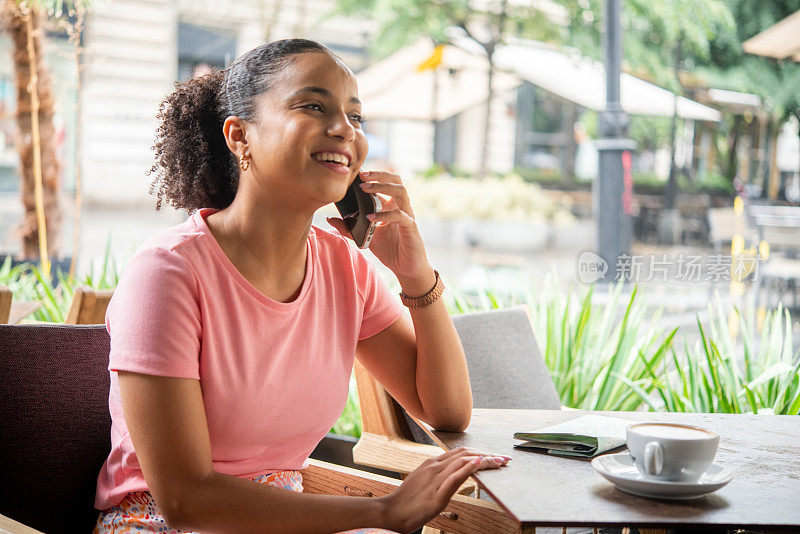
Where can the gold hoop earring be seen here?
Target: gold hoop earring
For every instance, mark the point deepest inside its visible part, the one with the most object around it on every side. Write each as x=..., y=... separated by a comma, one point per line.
x=244, y=162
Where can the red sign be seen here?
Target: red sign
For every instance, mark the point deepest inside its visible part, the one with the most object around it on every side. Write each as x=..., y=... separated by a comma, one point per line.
x=627, y=179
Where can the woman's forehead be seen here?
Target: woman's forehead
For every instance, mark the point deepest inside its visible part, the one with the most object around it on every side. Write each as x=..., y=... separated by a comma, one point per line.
x=317, y=70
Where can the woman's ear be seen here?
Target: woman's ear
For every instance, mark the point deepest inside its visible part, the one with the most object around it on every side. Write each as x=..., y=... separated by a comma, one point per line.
x=235, y=129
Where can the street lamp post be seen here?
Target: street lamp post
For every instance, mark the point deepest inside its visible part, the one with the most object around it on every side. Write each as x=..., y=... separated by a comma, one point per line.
x=615, y=188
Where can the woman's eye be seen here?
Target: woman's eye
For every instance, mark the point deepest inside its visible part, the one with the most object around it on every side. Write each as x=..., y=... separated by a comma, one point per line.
x=357, y=118
x=314, y=106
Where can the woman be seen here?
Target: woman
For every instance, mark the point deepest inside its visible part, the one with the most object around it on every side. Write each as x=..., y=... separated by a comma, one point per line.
x=233, y=334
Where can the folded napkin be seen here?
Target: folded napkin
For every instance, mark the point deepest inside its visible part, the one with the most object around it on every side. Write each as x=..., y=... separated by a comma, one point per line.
x=585, y=436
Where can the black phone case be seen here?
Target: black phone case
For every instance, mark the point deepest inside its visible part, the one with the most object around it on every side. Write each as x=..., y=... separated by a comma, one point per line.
x=360, y=203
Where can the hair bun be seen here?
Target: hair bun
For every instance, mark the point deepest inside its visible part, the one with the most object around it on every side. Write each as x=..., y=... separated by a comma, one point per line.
x=193, y=166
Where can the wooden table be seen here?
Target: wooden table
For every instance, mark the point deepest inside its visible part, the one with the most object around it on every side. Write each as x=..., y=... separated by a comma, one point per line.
x=761, y=451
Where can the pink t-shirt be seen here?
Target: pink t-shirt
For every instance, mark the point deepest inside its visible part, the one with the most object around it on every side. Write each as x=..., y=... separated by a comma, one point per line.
x=274, y=375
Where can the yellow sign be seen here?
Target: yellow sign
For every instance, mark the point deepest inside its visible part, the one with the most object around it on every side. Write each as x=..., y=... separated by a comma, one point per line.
x=433, y=61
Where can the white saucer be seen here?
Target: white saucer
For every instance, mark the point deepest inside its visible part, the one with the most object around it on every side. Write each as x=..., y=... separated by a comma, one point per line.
x=620, y=471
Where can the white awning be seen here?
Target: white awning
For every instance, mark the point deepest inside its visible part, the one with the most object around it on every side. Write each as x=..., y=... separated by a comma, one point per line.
x=734, y=98
x=392, y=88
x=781, y=40
x=582, y=81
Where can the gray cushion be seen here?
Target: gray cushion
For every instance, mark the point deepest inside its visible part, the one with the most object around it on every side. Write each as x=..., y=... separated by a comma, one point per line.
x=506, y=369
x=54, y=422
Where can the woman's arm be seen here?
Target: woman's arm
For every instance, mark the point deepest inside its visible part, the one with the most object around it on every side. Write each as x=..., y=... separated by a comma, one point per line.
x=422, y=366
x=167, y=424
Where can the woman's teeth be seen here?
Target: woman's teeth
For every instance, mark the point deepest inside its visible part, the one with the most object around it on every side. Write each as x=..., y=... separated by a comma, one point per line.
x=332, y=157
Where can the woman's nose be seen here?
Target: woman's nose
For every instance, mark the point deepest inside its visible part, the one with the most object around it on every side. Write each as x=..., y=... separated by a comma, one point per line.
x=341, y=127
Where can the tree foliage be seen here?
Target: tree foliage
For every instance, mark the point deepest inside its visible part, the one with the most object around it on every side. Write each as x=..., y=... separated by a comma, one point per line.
x=487, y=21
x=651, y=31
x=729, y=67
x=711, y=33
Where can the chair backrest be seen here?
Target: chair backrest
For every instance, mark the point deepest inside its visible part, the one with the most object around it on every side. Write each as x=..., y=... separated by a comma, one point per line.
x=5, y=304
x=724, y=223
x=54, y=422
x=505, y=366
x=780, y=233
x=88, y=306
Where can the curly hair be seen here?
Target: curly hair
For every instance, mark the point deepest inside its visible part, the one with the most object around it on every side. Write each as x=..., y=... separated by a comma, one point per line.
x=193, y=166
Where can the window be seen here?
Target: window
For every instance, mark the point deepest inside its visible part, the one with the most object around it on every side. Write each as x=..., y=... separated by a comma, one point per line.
x=200, y=48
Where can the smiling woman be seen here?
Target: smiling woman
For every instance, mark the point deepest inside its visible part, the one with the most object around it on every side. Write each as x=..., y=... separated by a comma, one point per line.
x=233, y=335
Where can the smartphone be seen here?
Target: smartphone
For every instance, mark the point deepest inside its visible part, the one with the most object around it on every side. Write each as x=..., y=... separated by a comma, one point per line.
x=354, y=208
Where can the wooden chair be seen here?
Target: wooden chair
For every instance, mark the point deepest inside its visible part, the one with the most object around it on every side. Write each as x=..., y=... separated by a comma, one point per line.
x=13, y=312
x=88, y=306
x=506, y=371
x=780, y=273
x=724, y=223
x=56, y=434
x=5, y=304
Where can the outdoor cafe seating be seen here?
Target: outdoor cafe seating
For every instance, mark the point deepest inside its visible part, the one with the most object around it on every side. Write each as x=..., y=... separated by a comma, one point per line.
x=87, y=306
x=779, y=228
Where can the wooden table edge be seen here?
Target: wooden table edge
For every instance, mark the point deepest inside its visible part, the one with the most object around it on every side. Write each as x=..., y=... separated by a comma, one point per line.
x=430, y=432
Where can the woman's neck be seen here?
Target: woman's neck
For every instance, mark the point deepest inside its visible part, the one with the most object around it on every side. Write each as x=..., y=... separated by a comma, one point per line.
x=266, y=241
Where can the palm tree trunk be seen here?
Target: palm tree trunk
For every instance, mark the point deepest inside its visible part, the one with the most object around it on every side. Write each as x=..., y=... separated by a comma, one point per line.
x=36, y=149
x=75, y=32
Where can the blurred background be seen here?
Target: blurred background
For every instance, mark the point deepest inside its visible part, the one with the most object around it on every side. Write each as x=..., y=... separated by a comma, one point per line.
x=494, y=112
x=627, y=170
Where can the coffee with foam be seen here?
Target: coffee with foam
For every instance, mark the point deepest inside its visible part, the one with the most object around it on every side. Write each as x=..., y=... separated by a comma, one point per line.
x=673, y=431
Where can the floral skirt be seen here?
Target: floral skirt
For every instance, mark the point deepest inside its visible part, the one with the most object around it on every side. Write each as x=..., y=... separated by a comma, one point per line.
x=138, y=512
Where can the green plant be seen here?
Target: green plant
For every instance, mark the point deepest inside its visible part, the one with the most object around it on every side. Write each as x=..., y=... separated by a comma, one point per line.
x=109, y=273
x=349, y=423
x=614, y=356
x=757, y=373
x=539, y=176
x=712, y=183
x=599, y=356
x=28, y=282
x=434, y=171
x=459, y=172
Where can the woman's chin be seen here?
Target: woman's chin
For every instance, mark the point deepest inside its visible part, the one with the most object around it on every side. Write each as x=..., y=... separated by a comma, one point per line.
x=334, y=192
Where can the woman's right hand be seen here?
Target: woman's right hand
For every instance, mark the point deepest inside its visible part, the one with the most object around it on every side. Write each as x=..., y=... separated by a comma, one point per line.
x=426, y=491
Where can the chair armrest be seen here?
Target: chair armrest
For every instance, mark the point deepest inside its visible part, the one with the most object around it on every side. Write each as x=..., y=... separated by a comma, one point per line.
x=398, y=455
x=393, y=454
x=9, y=526
x=463, y=515
x=323, y=478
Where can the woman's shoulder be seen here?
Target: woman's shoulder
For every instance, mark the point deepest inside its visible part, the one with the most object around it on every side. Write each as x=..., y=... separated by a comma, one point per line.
x=169, y=251
x=174, y=238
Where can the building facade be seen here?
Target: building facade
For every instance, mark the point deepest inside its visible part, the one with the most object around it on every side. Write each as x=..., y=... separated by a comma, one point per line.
x=137, y=49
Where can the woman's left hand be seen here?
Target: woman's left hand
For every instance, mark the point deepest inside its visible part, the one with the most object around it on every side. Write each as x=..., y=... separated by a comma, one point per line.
x=397, y=242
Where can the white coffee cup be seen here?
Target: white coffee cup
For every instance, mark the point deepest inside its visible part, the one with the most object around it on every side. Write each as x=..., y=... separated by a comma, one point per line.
x=670, y=451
